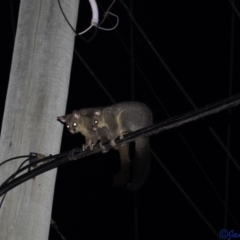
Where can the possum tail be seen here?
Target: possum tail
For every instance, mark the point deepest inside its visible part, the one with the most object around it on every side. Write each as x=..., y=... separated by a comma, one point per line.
x=123, y=176
x=141, y=164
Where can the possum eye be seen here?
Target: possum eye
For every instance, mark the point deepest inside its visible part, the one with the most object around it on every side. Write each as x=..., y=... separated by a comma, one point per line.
x=95, y=121
x=68, y=126
x=74, y=124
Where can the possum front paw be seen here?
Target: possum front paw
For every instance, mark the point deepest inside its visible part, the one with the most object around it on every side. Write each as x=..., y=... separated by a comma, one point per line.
x=112, y=142
x=85, y=146
x=104, y=150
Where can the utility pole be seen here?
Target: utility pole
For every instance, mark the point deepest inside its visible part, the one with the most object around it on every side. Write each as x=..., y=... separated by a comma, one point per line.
x=37, y=94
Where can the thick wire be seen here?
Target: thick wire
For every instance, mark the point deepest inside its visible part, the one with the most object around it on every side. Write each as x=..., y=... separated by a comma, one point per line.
x=18, y=169
x=92, y=25
x=14, y=174
x=176, y=80
x=6, y=186
x=145, y=132
x=154, y=93
x=166, y=112
x=21, y=169
x=10, y=159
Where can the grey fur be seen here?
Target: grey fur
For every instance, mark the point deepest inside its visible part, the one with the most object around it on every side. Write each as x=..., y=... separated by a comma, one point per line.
x=83, y=125
x=109, y=123
x=120, y=119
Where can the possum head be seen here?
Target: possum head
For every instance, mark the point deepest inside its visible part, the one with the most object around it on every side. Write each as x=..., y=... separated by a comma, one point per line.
x=72, y=121
x=96, y=119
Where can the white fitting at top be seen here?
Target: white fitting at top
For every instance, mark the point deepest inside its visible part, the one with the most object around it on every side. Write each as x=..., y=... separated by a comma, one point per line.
x=94, y=12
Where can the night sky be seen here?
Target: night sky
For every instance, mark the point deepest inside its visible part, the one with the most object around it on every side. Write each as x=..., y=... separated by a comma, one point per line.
x=194, y=39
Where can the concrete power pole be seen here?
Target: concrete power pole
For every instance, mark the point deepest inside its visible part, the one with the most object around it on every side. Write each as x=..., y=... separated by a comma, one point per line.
x=37, y=94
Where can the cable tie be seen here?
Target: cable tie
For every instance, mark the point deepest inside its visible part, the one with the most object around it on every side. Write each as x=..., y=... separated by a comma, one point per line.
x=34, y=157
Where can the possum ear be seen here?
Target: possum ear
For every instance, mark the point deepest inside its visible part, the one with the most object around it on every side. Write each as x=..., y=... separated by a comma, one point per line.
x=61, y=119
x=97, y=112
x=76, y=114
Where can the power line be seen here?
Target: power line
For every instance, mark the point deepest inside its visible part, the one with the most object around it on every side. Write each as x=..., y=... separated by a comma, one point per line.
x=10, y=159
x=175, y=79
x=165, y=111
x=17, y=170
x=57, y=160
x=157, y=98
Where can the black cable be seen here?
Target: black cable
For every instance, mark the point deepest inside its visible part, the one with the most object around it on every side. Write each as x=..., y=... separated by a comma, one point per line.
x=146, y=132
x=66, y=17
x=77, y=35
x=184, y=118
x=165, y=111
x=36, y=171
x=14, y=174
x=20, y=169
x=17, y=170
x=10, y=159
x=2, y=200
x=96, y=27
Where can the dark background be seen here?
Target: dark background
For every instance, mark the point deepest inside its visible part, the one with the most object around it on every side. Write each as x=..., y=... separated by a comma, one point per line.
x=195, y=39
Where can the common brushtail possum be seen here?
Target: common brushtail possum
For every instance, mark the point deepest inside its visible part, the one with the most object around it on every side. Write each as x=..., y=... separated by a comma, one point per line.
x=79, y=121
x=120, y=119
x=108, y=123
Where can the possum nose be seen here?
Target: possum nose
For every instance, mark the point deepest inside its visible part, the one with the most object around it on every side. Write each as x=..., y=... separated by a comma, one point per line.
x=94, y=128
